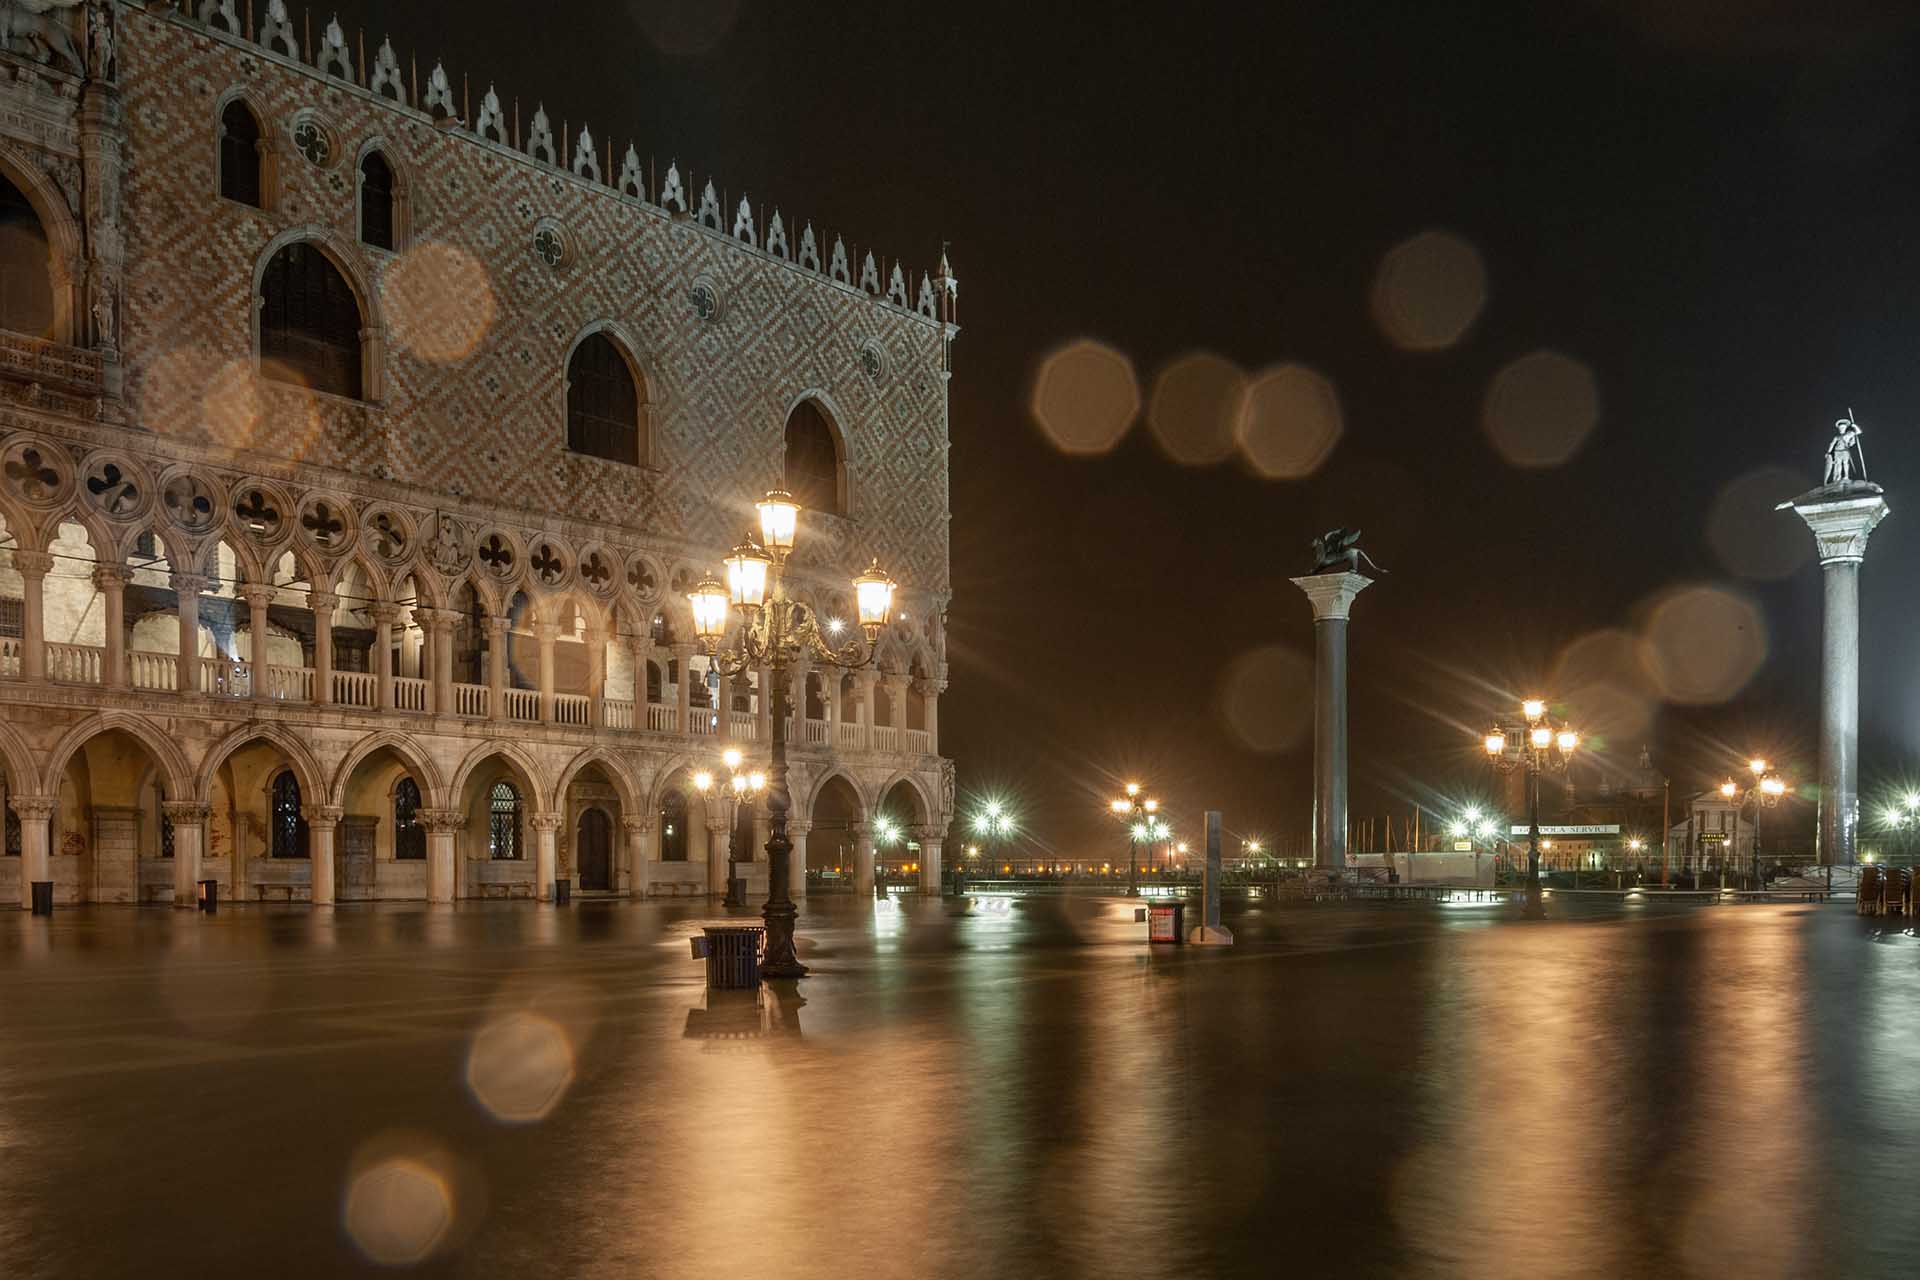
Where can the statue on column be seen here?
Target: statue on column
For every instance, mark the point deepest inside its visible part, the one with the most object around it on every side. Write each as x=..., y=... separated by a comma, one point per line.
x=1842, y=452
x=1338, y=551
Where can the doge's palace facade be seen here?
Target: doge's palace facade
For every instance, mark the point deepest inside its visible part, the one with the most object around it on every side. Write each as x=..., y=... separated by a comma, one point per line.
x=360, y=434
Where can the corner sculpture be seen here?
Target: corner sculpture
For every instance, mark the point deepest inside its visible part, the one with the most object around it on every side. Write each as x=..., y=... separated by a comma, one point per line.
x=1841, y=452
x=1338, y=551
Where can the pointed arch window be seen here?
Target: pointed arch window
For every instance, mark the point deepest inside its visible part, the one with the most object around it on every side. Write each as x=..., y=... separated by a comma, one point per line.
x=289, y=825
x=310, y=323
x=376, y=201
x=240, y=155
x=816, y=473
x=503, y=825
x=673, y=827
x=603, y=402
x=409, y=837
x=26, y=280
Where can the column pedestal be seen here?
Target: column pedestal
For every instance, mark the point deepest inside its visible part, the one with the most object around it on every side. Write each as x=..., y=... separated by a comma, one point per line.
x=1842, y=518
x=1331, y=595
x=546, y=827
x=443, y=826
x=36, y=842
x=321, y=823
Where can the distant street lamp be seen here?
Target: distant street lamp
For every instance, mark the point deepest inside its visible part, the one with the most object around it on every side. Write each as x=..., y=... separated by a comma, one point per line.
x=1765, y=792
x=1136, y=810
x=1542, y=747
x=775, y=634
x=1903, y=819
x=741, y=789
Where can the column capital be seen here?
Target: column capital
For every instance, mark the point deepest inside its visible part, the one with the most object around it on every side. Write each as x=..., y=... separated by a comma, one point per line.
x=186, y=813
x=188, y=584
x=424, y=614
x=1331, y=594
x=385, y=614
x=499, y=623
x=33, y=564
x=318, y=600
x=440, y=819
x=636, y=826
x=683, y=651
x=862, y=832
x=799, y=826
x=324, y=815
x=544, y=821
x=1842, y=518
x=257, y=595
x=111, y=577
x=32, y=808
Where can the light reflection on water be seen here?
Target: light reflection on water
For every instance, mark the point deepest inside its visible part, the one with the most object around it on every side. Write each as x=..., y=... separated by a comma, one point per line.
x=991, y=1087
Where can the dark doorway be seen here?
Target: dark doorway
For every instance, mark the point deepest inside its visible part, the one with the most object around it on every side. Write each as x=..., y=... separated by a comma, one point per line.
x=594, y=850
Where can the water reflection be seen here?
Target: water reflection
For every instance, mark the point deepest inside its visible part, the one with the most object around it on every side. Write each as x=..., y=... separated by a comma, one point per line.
x=984, y=1086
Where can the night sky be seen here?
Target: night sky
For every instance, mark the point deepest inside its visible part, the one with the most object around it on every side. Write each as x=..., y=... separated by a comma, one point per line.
x=1710, y=206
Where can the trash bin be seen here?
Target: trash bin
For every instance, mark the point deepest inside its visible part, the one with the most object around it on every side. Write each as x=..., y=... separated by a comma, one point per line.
x=733, y=956
x=209, y=896
x=1166, y=922
x=42, y=897
x=562, y=892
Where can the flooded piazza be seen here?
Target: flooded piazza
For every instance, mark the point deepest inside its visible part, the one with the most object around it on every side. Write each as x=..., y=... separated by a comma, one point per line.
x=983, y=1086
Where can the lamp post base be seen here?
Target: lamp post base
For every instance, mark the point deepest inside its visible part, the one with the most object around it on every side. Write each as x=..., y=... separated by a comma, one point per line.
x=1536, y=906
x=781, y=961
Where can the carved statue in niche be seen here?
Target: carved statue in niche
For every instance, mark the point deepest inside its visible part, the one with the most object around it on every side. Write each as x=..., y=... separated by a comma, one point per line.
x=41, y=30
x=103, y=314
x=100, y=24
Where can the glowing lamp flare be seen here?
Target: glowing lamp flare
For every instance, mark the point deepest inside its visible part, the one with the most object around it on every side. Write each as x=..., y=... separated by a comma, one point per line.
x=731, y=757
x=1729, y=789
x=1542, y=738
x=703, y=782
x=747, y=575
x=1567, y=741
x=1773, y=786
x=779, y=521
x=873, y=596
x=1496, y=744
x=1534, y=708
x=709, y=601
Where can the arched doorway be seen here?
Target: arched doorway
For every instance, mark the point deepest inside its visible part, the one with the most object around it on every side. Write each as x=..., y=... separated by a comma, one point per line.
x=593, y=849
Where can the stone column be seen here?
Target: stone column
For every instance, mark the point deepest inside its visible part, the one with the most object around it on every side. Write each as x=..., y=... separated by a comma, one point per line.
x=896, y=683
x=443, y=828
x=639, y=653
x=639, y=853
x=323, y=603
x=718, y=844
x=110, y=580
x=723, y=696
x=545, y=827
x=321, y=823
x=259, y=599
x=863, y=709
x=547, y=633
x=441, y=639
x=932, y=698
x=797, y=829
x=189, y=819
x=34, y=566
x=36, y=842
x=797, y=677
x=1331, y=595
x=830, y=695
x=1842, y=517
x=384, y=616
x=683, y=692
x=499, y=627
x=863, y=859
x=930, y=842
x=597, y=677
x=186, y=589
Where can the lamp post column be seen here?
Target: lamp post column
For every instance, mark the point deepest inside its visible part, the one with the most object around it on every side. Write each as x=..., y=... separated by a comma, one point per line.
x=779, y=913
x=1841, y=516
x=1331, y=595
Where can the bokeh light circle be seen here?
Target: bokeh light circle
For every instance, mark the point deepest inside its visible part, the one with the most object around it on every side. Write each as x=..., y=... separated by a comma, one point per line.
x=1289, y=423
x=1266, y=698
x=1601, y=679
x=1750, y=537
x=398, y=1210
x=1541, y=409
x=1428, y=291
x=1195, y=409
x=519, y=1067
x=1085, y=397
x=1702, y=643
x=438, y=302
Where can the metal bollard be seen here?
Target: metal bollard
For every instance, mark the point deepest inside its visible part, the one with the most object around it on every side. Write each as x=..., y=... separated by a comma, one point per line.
x=209, y=900
x=562, y=892
x=42, y=897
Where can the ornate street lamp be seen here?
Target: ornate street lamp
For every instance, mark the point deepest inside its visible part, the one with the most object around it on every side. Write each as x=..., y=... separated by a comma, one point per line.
x=742, y=788
x=1765, y=792
x=992, y=826
x=1137, y=810
x=772, y=634
x=1538, y=747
